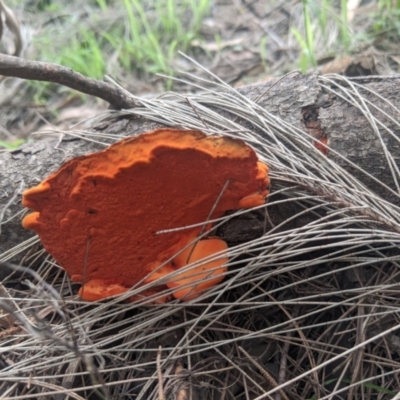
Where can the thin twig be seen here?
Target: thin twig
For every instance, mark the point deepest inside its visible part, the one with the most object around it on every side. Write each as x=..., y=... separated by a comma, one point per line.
x=161, y=395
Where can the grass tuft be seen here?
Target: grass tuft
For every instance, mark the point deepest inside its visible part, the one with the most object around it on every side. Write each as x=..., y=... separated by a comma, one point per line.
x=135, y=37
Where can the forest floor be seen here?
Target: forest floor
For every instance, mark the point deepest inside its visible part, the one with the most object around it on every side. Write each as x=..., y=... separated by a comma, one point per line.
x=316, y=314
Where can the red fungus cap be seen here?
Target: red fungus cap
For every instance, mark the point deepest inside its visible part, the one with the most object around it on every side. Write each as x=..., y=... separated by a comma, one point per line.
x=98, y=215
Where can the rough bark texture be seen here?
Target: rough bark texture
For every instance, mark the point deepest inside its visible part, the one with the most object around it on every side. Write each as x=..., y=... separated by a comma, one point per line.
x=298, y=99
x=351, y=135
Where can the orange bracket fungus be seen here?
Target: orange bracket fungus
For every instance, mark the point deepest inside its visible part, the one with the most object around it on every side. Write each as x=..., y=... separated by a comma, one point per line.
x=99, y=214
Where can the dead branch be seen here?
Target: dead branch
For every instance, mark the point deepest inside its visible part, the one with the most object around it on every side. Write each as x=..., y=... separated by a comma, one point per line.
x=40, y=71
x=13, y=25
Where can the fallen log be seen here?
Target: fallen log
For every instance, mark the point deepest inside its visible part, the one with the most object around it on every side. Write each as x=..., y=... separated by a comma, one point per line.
x=352, y=123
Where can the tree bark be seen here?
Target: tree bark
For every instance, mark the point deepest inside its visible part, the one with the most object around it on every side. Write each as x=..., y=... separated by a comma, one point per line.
x=311, y=103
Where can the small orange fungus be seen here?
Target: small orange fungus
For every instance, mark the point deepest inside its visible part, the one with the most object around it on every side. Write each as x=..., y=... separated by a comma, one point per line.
x=99, y=214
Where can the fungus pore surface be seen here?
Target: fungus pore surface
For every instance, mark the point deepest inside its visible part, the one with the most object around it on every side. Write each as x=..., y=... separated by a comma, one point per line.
x=99, y=214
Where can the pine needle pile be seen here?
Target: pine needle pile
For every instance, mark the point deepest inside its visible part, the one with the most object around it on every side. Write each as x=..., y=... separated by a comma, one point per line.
x=309, y=308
